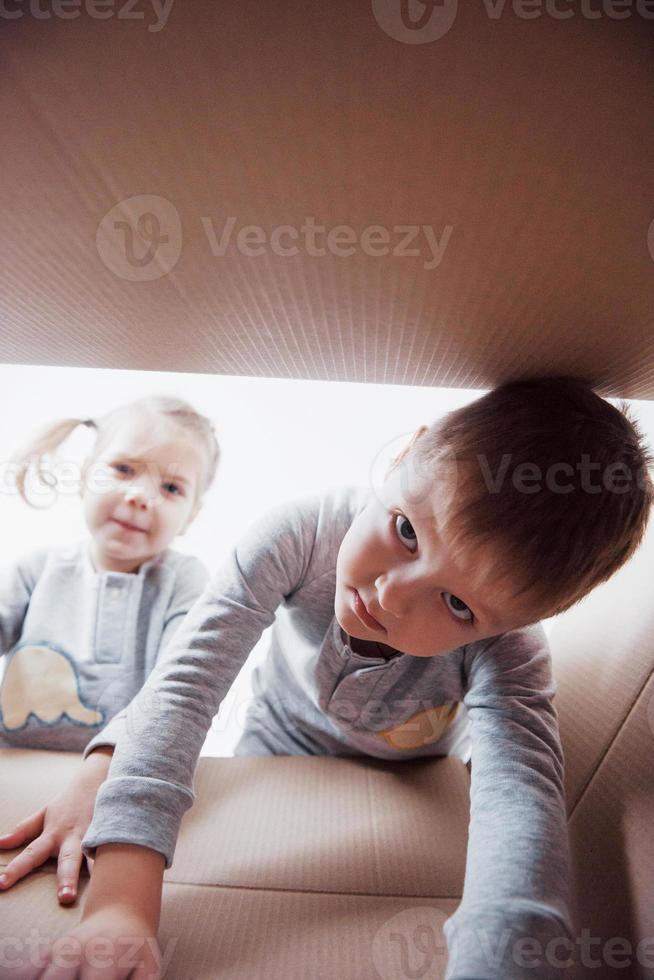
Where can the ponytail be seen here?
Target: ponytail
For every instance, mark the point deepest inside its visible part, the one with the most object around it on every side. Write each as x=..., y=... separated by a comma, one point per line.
x=33, y=454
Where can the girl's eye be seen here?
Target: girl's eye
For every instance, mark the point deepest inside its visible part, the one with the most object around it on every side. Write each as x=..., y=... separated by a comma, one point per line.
x=458, y=606
x=172, y=488
x=405, y=532
x=123, y=468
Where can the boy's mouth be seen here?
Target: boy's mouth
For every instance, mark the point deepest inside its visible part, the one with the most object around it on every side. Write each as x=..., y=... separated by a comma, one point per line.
x=364, y=615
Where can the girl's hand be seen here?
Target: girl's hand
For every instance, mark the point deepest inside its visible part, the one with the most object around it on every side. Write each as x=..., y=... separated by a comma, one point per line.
x=112, y=943
x=58, y=828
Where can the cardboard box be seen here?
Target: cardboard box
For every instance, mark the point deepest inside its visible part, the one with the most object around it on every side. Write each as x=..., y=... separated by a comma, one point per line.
x=285, y=867
x=160, y=194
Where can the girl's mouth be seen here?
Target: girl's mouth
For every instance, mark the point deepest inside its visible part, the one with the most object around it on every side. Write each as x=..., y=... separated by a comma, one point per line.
x=127, y=526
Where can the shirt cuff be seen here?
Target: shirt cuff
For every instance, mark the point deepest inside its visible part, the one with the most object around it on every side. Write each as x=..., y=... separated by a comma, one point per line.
x=138, y=810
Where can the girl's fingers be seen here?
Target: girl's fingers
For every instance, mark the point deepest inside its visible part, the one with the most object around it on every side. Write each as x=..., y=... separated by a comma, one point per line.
x=27, y=829
x=68, y=865
x=32, y=857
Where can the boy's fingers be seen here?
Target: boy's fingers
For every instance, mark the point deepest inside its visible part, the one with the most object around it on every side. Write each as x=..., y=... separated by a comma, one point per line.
x=34, y=855
x=68, y=865
x=27, y=829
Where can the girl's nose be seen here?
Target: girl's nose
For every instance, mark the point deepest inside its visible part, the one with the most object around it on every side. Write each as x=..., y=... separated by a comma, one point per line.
x=138, y=496
x=393, y=593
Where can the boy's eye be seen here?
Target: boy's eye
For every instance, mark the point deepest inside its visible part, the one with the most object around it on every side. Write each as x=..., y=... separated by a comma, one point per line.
x=172, y=488
x=405, y=532
x=458, y=606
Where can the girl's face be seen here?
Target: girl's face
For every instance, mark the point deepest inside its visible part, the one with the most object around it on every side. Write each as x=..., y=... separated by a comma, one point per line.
x=397, y=584
x=140, y=492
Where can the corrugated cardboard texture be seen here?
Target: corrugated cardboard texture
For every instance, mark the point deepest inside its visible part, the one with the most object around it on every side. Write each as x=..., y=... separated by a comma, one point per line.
x=246, y=934
x=285, y=867
x=522, y=143
x=603, y=654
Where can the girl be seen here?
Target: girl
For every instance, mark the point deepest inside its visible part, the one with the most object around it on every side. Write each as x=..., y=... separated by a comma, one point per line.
x=83, y=626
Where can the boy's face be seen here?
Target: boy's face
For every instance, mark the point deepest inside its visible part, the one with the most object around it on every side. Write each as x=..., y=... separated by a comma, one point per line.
x=397, y=584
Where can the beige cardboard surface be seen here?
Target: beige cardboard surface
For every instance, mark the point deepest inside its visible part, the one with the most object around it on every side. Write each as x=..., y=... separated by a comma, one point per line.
x=523, y=143
x=611, y=836
x=286, y=867
x=603, y=656
x=327, y=824
x=297, y=823
x=250, y=934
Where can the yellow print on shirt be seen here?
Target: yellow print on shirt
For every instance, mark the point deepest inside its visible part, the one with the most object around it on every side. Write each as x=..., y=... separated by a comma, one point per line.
x=40, y=681
x=422, y=728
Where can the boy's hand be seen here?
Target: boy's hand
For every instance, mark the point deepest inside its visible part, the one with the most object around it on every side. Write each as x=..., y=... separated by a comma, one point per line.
x=58, y=828
x=112, y=943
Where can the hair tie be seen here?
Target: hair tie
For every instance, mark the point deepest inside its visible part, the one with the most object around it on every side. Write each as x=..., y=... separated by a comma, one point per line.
x=89, y=423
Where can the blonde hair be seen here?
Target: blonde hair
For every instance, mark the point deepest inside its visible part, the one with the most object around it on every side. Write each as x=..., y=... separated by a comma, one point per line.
x=558, y=545
x=31, y=457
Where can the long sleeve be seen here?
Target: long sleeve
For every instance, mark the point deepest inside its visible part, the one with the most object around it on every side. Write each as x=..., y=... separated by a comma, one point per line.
x=16, y=586
x=516, y=891
x=191, y=579
x=153, y=764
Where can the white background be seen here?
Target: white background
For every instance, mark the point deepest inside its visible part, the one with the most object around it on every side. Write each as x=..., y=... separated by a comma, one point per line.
x=279, y=439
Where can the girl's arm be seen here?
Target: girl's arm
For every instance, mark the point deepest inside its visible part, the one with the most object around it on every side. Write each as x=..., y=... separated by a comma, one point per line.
x=16, y=586
x=57, y=829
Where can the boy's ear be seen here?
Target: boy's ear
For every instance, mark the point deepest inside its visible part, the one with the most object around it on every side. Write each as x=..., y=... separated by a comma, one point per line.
x=409, y=446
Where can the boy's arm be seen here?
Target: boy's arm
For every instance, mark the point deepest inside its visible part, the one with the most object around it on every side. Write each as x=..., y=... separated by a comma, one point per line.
x=516, y=890
x=166, y=723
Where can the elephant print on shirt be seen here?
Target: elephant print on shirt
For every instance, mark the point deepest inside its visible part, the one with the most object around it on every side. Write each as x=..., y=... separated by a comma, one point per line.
x=42, y=682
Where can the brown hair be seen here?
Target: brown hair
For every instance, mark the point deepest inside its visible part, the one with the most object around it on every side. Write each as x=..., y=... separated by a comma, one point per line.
x=32, y=456
x=558, y=544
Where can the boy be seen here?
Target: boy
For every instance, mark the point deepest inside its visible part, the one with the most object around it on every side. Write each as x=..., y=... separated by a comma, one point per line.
x=406, y=624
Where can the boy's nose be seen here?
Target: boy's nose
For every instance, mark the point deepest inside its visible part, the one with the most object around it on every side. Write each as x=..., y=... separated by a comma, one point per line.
x=393, y=593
